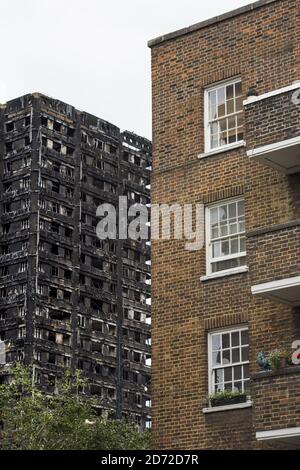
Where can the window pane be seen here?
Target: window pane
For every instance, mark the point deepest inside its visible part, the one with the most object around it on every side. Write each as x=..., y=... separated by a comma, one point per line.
x=238, y=89
x=223, y=213
x=214, y=141
x=214, y=216
x=221, y=102
x=237, y=373
x=238, y=386
x=216, y=249
x=241, y=208
x=245, y=337
x=245, y=354
x=225, y=248
x=239, y=104
x=212, y=105
x=216, y=342
x=230, y=106
x=229, y=92
x=219, y=376
x=234, y=246
x=232, y=123
x=225, y=340
x=228, y=374
x=233, y=229
x=216, y=358
x=224, y=229
x=226, y=357
x=246, y=371
x=235, y=338
x=242, y=244
x=232, y=210
x=236, y=355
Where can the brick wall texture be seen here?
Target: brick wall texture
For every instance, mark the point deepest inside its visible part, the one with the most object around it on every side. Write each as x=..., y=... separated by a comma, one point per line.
x=262, y=47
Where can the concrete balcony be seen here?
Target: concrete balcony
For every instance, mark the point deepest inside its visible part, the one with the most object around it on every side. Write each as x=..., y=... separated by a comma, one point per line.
x=274, y=262
x=286, y=291
x=272, y=122
x=276, y=397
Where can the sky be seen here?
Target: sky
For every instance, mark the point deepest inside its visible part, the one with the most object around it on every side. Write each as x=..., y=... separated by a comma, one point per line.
x=92, y=54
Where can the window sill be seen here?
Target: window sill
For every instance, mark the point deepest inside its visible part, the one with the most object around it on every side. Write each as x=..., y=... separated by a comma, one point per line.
x=231, y=272
x=222, y=149
x=237, y=406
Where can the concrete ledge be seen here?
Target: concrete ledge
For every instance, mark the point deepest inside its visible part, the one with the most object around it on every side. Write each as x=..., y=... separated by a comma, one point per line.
x=276, y=373
x=209, y=22
x=237, y=406
x=273, y=228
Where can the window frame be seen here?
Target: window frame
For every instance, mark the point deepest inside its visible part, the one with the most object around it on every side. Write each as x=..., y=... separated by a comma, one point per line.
x=209, y=258
x=211, y=369
x=207, y=142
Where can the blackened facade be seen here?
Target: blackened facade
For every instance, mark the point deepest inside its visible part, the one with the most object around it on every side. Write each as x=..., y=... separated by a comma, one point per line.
x=67, y=298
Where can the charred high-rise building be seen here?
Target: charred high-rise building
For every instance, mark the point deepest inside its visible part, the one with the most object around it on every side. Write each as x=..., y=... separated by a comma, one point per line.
x=68, y=298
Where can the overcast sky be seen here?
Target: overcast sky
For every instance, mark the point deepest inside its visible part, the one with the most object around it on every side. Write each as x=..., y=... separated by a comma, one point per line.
x=92, y=53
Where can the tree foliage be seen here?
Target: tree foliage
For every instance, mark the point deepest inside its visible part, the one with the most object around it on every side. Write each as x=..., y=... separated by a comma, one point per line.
x=32, y=420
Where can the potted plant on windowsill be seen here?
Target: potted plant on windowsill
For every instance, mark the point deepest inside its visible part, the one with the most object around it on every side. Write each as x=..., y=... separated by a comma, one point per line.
x=227, y=398
x=279, y=359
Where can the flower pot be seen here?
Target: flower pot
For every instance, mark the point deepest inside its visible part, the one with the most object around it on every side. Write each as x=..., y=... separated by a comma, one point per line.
x=228, y=401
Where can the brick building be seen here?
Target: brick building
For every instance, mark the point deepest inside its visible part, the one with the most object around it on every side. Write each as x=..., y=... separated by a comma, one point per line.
x=226, y=134
x=67, y=298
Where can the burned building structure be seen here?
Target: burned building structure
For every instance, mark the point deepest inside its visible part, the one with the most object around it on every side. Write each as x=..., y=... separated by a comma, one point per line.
x=67, y=298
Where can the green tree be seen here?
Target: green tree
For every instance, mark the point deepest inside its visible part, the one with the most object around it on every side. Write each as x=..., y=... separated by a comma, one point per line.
x=65, y=420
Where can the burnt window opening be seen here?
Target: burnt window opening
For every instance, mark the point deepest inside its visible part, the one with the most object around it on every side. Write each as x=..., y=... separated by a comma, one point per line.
x=54, y=271
x=67, y=274
x=54, y=249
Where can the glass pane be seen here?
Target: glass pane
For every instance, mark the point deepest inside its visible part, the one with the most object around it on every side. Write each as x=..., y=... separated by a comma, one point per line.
x=245, y=354
x=239, y=104
x=231, y=123
x=240, y=133
x=225, y=341
x=228, y=387
x=224, y=229
x=241, y=226
x=242, y=244
x=216, y=358
x=236, y=355
x=237, y=373
x=221, y=102
x=214, y=141
x=245, y=337
x=214, y=127
x=232, y=211
x=223, y=125
x=240, y=120
x=233, y=229
x=238, y=386
x=225, y=247
x=247, y=386
x=234, y=245
x=246, y=371
x=229, y=92
x=223, y=213
x=223, y=138
x=226, y=356
x=241, y=208
x=212, y=105
x=214, y=216
x=228, y=374
x=230, y=106
x=232, y=136
x=216, y=249
x=238, y=89
x=235, y=338
x=219, y=376
x=215, y=233
x=216, y=342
